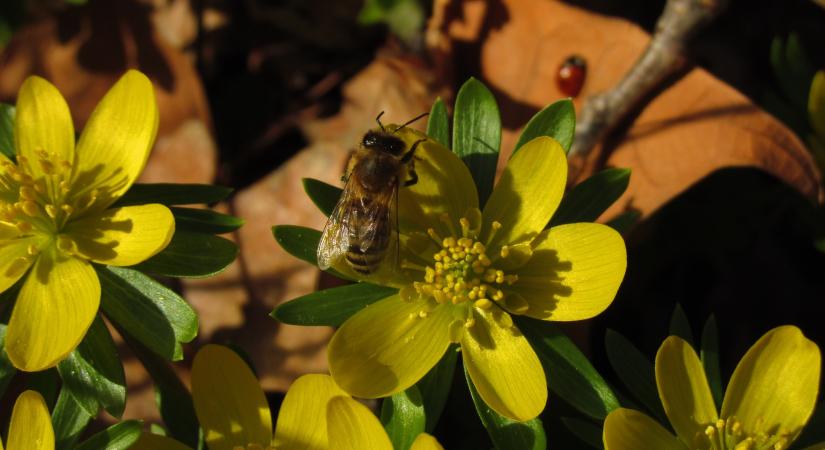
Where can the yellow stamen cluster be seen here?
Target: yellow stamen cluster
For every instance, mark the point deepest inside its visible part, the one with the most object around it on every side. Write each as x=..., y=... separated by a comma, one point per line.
x=33, y=193
x=462, y=273
x=727, y=434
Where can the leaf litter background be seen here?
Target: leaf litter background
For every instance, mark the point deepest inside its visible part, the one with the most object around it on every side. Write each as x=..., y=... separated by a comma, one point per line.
x=258, y=95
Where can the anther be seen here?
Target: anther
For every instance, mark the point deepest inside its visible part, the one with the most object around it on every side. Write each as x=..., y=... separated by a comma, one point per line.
x=32, y=250
x=51, y=211
x=29, y=208
x=483, y=303
x=18, y=266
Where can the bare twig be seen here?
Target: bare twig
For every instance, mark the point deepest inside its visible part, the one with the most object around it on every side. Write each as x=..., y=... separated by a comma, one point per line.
x=664, y=55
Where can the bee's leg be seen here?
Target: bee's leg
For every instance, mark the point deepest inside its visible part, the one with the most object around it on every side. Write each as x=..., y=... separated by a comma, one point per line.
x=409, y=155
x=413, y=178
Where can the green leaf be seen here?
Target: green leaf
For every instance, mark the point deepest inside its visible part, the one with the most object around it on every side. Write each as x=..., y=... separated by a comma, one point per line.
x=300, y=242
x=154, y=315
x=204, y=220
x=569, y=373
x=7, y=369
x=792, y=69
x=330, y=307
x=816, y=104
x=477, y=134
x=173, y=194
x=635, y=371
x=710, y=359
x=93, y=374
x=403, y=417
x=557, y=120
x=438, y=124
x=435, y=387
x=68, y=420
x=191, y=255
x=624, y=221
x=588, y=432
x=324, y=195
x=505, y=433
x=174, y=400
x=119, y=436
x=590, y=198
x=680, y=325
x=7, y=130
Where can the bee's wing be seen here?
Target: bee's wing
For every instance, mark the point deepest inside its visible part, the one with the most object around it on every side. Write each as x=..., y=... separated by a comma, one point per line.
x=375, y=223
x=335, y=237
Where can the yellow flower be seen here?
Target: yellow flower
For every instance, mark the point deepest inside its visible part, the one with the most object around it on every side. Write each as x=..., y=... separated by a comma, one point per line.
x=55, y=215
x=315, y=414
x=770, y=398
x=463, y=272
x=31, y=424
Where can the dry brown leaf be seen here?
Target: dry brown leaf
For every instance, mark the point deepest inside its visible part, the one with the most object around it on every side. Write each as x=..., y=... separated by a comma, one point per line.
x=695, y=126
x=84, y=50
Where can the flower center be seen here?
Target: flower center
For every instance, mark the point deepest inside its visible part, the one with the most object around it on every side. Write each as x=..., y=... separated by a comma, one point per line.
x=727, y=434
x=35, y=199
x=462, y=273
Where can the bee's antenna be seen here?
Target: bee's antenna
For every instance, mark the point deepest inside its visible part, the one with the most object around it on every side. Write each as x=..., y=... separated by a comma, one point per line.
x=378, y=119
x=410, y=121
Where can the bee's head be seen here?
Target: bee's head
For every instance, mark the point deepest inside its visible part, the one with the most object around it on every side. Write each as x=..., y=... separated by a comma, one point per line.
x=383, y=142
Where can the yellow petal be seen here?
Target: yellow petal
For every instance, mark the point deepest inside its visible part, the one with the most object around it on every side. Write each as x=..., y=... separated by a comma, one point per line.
x=351, y=425
x=626, y=429
x=774, y=386
x=43, y=124
x=527, y=194
x=15, y=260
x=302, y=420
x=115, y=144
x=230, y=404
x=684, y=389
x=574, y=272
x=426, y=442
x=149, y=441
x=504, y=368
x=123, y=236
x=31, y=424
x=56, y=305
x=444, y=186
x=387, y=347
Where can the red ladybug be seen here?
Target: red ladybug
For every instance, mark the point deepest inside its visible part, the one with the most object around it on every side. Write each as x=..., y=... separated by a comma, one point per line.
x=571, y=75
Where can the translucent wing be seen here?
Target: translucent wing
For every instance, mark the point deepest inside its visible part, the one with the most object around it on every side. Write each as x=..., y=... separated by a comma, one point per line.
x=374, y=217
x=335, y=237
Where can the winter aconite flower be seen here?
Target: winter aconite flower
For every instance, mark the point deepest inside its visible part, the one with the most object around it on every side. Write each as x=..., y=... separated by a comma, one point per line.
x=56, y=217
x=770, y=398
x=31, y=424
x=315, y=414
x=463, y=272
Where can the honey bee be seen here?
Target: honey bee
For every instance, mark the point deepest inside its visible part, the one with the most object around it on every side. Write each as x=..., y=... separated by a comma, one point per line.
x=359, y=228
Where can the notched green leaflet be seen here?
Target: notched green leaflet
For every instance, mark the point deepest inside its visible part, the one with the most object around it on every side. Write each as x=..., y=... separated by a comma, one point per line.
x=331, y=307
x=7, y=131
x=324, y=195
x=204, y=220
x=403, y=417
x=93, y=374
x=557, y=120
x=570, y=374
x=590, y=198
x=477, y=134
x=153, y=314
x=438, y=124
x=505, y=433
x=300, y=242
x=191, y=255
x=173, y=194
x=635, y=371
x=119, y=436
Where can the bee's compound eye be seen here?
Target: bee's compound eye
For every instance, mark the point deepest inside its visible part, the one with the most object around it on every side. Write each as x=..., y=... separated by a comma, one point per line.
x=369, y=139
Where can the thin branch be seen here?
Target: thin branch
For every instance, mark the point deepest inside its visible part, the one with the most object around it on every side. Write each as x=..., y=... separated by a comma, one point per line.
x=679, y=22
